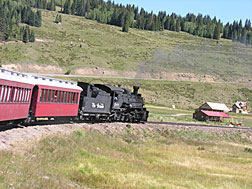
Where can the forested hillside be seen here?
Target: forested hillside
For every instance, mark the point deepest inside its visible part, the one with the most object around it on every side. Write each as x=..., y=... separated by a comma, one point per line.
x=80, y=45
x=131, y=16
x=90, y=48
x=14, y=12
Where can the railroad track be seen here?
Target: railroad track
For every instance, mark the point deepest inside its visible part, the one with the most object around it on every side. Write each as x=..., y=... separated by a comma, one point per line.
x=12, y=135
x=45, y=122
x=199, y=125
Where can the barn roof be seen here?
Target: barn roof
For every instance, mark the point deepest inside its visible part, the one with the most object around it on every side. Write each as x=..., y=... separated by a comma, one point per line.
x=214, y=106
x=240, y=104
x=215, y=114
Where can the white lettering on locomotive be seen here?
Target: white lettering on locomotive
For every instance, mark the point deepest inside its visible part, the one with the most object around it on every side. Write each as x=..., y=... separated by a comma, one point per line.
x=98, y=105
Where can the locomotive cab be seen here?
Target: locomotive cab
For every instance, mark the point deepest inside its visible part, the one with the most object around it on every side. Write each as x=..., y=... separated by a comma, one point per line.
x=94, y=103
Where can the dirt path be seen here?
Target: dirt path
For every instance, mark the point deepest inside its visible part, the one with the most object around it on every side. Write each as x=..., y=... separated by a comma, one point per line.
x=16, y=138
x=178, y=115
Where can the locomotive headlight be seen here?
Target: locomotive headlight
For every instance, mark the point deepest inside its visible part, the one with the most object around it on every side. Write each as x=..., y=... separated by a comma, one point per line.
x=131, y=105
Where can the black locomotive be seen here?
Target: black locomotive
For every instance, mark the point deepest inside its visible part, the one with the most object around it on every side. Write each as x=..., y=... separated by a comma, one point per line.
x=111, y=103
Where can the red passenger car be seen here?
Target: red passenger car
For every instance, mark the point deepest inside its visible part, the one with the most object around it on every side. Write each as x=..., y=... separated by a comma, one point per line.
x=15, y=95
x=54, y=97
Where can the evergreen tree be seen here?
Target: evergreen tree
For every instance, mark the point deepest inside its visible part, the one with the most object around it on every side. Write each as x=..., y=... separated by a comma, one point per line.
x=244, y=35
x=135, y=13
x=61, y=6
x=26, y=35
x=248, y=40
x=234, y=36
x=31, y=20
x=248, y=25
x=67, y=7
x=53, y=5
x=32, y=37
x=125, y=25
x=239, y=31
x=173, y=24
x=3, y=29
x=178, y=26
x=216, y=34
x=88, y=8
x=225, y=31
x=57, y=19
x=60, y=19
x=149, y=22
x=38, y=23
x=153, y=23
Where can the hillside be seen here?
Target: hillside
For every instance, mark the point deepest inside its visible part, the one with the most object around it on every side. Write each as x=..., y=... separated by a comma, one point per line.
x=183, y=94
x=87, y=47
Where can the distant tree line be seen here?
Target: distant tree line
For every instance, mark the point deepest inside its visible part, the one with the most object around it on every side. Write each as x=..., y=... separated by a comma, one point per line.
x=13, y=12
x=130, y=16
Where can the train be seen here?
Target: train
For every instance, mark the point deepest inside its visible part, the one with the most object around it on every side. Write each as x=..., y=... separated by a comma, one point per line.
x=25, y=98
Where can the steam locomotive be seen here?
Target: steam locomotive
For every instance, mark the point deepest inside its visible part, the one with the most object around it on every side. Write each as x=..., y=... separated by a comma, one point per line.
x=26, y=97
x=111, y=103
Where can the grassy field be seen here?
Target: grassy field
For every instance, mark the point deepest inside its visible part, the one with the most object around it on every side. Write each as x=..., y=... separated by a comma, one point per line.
x=182, y=94
x=140, y=51
x=166, y=114
x=172, y=159
x=186, y=96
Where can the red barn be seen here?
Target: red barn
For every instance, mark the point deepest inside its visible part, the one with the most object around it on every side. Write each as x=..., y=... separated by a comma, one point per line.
x=211, y=112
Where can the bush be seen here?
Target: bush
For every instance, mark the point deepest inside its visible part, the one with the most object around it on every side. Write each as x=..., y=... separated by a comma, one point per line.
x=68, y=72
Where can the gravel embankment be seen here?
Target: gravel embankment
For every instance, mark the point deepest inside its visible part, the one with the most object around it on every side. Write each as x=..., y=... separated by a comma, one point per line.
x=11, y=139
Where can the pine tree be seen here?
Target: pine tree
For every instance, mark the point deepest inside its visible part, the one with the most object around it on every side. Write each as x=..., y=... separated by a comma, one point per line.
x=244, y=35
x=3, y=29
x=125, y=25
x=234, y=35
x=216, y=34
x=135, y=13
x=74, y=7
x=239, y=32
x=178, y=26
x=60, y=19
x=61, y=6
x=173, y=24
x=67, y=7
x=153, y=23
x=31, y=20
x=57, y=19
x=88, y=7
x=26, y=35
x=225, y=31
x=53, y=5
x=32, y=37
x=248, y=40
x=248, y=25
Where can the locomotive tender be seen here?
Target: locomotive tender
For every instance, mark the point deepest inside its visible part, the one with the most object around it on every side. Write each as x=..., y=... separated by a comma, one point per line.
x=26, y=97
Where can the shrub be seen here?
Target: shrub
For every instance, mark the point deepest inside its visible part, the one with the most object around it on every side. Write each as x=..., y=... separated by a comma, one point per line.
x=68, y=72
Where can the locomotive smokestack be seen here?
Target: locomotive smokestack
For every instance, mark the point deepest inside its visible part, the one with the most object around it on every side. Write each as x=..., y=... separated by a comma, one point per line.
x=136, y=88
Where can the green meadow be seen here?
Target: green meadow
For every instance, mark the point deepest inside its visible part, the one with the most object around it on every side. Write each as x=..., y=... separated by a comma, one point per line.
x=135, y=158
